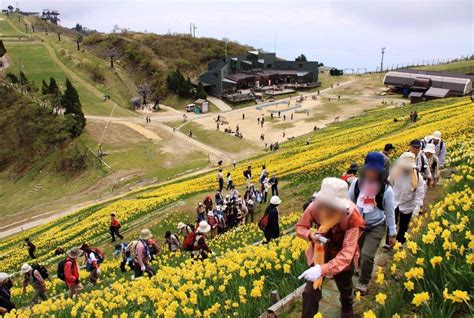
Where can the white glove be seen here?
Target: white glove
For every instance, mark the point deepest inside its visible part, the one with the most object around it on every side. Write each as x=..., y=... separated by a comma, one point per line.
x=98, y=271
x=311, y=274
x=416, y=211
x=143, y=268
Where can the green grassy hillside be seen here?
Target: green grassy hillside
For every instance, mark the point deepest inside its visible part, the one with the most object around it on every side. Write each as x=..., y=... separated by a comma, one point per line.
x=466, y=67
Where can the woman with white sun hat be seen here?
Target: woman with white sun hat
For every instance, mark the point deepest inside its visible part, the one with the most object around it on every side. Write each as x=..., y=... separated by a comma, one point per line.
x=433, y=162
x=200, y=249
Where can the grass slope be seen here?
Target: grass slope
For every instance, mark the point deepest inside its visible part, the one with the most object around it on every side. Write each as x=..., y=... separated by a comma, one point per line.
x=466, y=67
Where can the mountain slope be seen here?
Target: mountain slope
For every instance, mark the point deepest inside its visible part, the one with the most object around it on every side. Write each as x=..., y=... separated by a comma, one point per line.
x=150, y=57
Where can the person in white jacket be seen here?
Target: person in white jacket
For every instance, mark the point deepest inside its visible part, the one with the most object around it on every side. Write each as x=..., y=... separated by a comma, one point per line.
x=439, y=144
x=409, y=191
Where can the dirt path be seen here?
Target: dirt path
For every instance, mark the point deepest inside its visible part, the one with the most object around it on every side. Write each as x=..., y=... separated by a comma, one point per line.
x=136, y=124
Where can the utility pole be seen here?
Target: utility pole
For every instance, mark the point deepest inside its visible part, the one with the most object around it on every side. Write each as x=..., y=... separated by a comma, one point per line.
x=194, y=30
x=381, y=61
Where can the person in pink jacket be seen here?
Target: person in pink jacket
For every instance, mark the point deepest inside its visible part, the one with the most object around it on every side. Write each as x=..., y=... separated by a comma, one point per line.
x=339, y=221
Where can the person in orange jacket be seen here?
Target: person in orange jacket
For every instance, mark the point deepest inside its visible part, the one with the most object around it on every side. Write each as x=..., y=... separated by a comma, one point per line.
x=115, y=227
x=340, y=223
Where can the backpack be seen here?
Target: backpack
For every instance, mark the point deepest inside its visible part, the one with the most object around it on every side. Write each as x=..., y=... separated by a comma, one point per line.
x=262, y=224
x=41, y=269
x=61, y=266
x=188, y=241
x=378, y=197
x=99, y=255
x=131, y=248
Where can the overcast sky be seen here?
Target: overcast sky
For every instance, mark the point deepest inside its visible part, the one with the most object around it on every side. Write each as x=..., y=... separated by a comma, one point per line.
x=343, y=33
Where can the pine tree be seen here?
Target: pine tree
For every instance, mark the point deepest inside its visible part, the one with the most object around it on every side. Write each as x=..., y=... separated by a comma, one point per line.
x=44, y=88
x=3, y=50
x=53, y=87
x=23, y=79
x=75, y=120
x=200, y=92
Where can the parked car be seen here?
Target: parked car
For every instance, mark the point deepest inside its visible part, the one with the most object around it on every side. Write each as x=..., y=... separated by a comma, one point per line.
x=190, y=107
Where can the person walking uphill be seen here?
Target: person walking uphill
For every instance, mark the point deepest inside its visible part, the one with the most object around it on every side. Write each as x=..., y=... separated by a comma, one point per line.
x=6, y=304
x=200, y=249
x=270, y=222
x=115, y=227
x=340, y=222
x=421, y=161
x=374, y=198
x=31, y=248
x=409, y=192
x=440, y=146
x=33, y=277
x=71, y=272
x=93, y=258
x=387, y=153
x=141, y=254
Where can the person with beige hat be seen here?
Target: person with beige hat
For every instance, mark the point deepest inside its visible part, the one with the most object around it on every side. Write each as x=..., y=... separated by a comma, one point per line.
x=6, y=284
x=141, y=253
x=409, y=192
x=439, y=144
x=433, y=163
x=339, y=222
x=32, y=276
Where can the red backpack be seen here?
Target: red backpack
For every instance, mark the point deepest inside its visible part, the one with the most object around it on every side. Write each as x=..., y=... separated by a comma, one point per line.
x=262, y=224
x=189, y=241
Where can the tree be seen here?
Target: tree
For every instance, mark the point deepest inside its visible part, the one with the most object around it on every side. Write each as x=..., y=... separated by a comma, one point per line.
x=3, y=50
x=301, y=58
x=23, y=81
x=200, y=92
x=53, y=87
x=54, y=95
x=78, y=27
x=44, y=88
x=10, y=8
x=75, y=120
x=12, y=78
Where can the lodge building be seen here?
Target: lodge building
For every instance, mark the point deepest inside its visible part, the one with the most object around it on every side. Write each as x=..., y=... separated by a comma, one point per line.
x=257, y=70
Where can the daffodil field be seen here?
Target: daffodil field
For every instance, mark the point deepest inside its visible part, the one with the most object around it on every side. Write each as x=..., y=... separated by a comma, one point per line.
x=433, y=276
x=238, y=281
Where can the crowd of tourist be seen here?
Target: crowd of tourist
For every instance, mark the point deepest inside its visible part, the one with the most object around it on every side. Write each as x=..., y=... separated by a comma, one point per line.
x=355, y=214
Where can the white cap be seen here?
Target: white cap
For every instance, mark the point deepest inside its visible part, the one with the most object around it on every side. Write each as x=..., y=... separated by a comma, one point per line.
x=437, y=135
x=334, y=193
x=3, y=277
x=181, y=225
x=430, y=148
x=407, y=160
x=203, y=227
x=25, y=268
x=275, y=200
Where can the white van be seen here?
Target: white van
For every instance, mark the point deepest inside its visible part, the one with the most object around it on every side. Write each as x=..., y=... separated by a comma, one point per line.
x=190, y=107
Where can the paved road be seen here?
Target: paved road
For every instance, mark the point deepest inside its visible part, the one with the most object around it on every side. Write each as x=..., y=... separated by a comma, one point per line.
x=223, y=106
